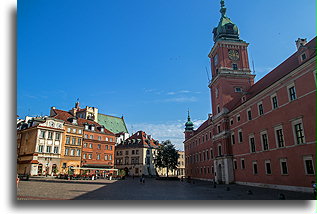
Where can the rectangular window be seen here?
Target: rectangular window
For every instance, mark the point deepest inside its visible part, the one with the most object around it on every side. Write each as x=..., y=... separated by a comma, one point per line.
x=240, y=136
x=73, y=141
x=99, y=146
x=110, y=157
x=274, y=102
x=260, y=109
x=79, y=131
x=303, y=56
x=255, y=168
x=136, y=151
x=98, y=157
x=79, y=141
x=238, y=118
x=211, y=153
x=231, y=122
x=265, y=143
x=309, y=165
x=91, y=137
x=85, y=145
x=280, y=138
x=234, y=66
x=107, y=147
x=106, y=157
x=292, y=93
x=42, y=134
x=86, y=136
x=283, y=163
x=133, y=152
x=68, y=129
x=78, y=152
x=72, y=152
x=252, y=144
x=66, y=151
x=55, y=149
x=299, y=133
x=242, y=164
x=235, y=164
x=99, y=138
x=57, y=136
x=218, y=127
x=48, y=149
x=50, y=135
x=41, y=148
x=67, y=140
x=90, y=156
x=74, y=130
x=85, y=156
x=90, y=145
x=268, y=169
x=232, y=139
x=249, y=114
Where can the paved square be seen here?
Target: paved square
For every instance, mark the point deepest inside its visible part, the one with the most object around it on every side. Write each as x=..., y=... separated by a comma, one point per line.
x=132, y=189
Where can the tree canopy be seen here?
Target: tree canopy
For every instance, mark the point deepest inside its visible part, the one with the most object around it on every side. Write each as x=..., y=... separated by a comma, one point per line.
x=167, y=156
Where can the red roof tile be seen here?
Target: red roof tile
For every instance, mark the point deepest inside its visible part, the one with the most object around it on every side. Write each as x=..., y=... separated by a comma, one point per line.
x=64, y=115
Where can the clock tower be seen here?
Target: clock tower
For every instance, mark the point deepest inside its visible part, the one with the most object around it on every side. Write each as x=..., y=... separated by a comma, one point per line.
x=231, y=74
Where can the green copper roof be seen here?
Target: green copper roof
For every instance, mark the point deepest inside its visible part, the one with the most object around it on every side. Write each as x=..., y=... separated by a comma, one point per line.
x=112, y=123
x=226, y=29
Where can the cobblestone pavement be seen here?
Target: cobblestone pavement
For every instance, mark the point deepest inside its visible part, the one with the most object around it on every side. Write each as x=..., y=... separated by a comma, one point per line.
x=131, y=189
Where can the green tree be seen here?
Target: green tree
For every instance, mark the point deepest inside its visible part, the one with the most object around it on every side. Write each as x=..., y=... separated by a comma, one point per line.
x=167, y=156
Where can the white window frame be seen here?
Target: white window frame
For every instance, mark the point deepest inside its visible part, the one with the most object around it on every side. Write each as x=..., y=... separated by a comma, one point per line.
x=238, y=116
x=274, y=95
x=308, y=157
x=250, y=147
x=249, y=110
x=283, y=160
x=295, y=122
x=288, y=92
x=260, y=103
x=276, y=138
x=267, y=138
x=233, y=137
x=239, y=140
x=242, y=160
x=265, y=162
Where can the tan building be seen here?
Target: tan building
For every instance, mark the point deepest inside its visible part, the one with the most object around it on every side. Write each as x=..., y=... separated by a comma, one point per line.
x=39, y=146
x=179, y=172
x=136, y=155
x=71, y=147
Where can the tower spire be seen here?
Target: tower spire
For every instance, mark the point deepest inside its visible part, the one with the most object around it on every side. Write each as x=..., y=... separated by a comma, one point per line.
x=188, y=118
x=223, y=9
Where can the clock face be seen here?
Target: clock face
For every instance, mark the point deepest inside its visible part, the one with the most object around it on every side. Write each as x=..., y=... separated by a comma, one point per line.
x=233, y=54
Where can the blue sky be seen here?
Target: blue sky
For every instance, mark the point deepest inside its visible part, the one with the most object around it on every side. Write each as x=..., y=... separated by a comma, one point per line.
x=144, y=59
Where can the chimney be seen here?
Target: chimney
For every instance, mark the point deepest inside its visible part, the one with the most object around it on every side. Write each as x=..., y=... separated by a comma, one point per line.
x=52, y=113
x=300, y=43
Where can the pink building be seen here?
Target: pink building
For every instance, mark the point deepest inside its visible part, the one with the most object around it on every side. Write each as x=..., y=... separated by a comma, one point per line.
x=261, y=133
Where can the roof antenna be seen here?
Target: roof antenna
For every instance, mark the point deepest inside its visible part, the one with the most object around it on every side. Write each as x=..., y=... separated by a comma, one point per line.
x=207, y=74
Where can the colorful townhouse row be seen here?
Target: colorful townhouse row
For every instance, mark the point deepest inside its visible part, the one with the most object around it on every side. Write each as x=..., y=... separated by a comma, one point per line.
x=260, y=134
x=84, y=141
x=68, y=142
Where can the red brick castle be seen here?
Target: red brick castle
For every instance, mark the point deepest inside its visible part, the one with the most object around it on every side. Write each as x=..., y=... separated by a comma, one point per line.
x=261, y=133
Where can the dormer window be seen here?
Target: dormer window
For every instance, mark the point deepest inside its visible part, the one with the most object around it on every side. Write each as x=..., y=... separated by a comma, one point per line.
x=86, y=127
x=92, y=128
x=237, y=89
x=303, y=56
x=102, y=129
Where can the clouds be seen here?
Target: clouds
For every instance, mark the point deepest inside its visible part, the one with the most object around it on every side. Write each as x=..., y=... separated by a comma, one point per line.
x=180, y=96
x=172, y=130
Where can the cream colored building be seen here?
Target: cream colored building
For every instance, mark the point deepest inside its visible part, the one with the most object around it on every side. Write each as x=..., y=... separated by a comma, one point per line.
x=39, y=146
x=179, y=172
x=136, y=155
